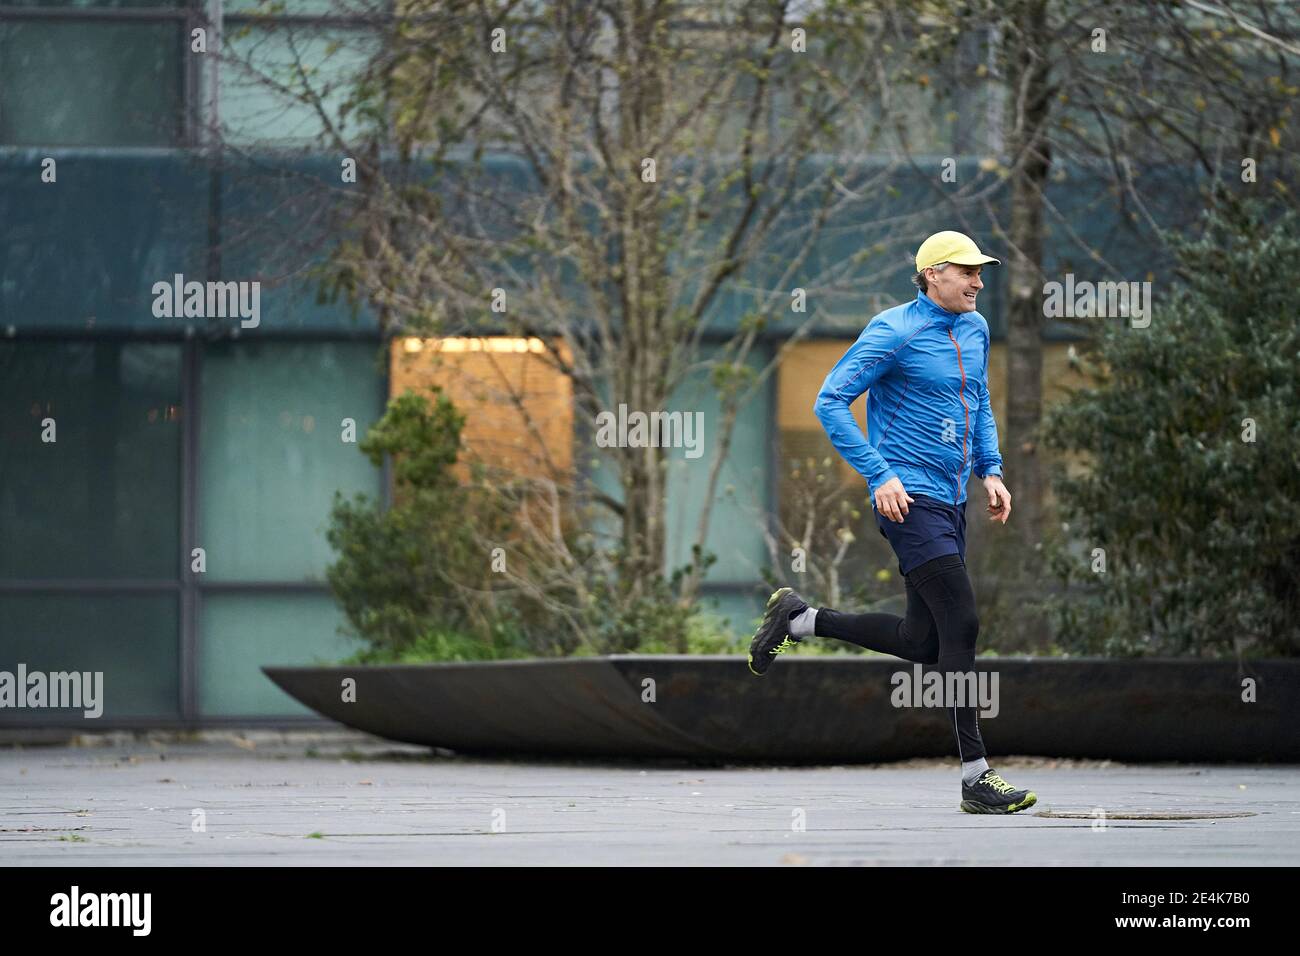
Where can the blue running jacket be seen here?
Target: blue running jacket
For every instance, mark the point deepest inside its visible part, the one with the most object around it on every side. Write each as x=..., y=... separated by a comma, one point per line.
x=928, y=417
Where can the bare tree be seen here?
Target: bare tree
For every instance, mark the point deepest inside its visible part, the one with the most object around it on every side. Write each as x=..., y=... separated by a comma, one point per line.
x=615, y=177
x=650, y=160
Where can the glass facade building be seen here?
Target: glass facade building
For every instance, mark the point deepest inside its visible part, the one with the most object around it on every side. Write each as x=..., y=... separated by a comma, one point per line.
x=169, y=532
x=165, y=482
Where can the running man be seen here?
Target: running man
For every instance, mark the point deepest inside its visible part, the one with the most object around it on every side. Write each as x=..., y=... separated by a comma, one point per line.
x=929, y=422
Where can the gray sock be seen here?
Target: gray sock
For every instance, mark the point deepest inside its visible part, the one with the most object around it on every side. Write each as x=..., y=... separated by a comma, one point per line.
x=804, y=624
x=971, y=770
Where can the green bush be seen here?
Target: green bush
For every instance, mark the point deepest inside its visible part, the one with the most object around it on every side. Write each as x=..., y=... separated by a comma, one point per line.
x=416, y=582
x=412, y=576
x=1199, y=525
x=444, y=645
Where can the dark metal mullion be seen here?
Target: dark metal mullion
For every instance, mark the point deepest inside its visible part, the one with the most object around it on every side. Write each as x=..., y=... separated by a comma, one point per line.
x=288, y=20
x=156, y=585
x=189, y=667
x=92, y=13
x=262, y=587
x=191, y=596
x=214, y=12
x=180, y=335
x=88, y=585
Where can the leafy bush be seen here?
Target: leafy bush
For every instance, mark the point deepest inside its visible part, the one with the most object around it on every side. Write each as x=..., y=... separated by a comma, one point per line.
x=411, y=575
x=445, y=645
x=417, y=582
x=1199, y=524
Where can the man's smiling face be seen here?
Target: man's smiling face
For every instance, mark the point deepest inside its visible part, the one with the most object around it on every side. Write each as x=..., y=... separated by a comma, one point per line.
x=955, y=288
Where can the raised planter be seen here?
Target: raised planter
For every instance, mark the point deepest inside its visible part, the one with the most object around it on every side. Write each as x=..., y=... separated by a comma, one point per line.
x=812, y=709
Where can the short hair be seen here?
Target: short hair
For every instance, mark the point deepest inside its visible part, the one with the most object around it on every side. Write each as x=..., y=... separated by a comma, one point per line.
x=918, y=280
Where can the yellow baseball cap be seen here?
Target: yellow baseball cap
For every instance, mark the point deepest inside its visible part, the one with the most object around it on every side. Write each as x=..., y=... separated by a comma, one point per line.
x=951, y=247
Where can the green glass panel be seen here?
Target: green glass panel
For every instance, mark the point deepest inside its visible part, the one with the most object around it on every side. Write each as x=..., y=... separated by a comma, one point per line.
x=83, y=253
x=130, y=638
x=736, y=522
x=100, y=4
x=266, y=73
x=90, y=83
x=740, y=500
x=282, y=218
x=734, y=612
x=272, y=453
x=101, y=499
x=242, y=633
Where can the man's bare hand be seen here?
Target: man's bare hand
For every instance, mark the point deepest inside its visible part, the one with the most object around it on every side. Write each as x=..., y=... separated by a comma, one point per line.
x=999, y=499
x=892, y=500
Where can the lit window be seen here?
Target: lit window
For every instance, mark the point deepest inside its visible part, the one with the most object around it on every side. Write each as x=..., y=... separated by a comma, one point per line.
x=518, y=406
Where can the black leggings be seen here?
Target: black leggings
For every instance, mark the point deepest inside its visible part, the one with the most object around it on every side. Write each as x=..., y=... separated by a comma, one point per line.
x=940, y=628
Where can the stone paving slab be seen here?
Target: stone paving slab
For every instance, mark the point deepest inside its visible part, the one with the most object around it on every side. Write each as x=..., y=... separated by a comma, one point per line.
x=334, y=800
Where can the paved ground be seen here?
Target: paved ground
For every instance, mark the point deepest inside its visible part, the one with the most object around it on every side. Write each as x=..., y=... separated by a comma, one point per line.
x=337, y=799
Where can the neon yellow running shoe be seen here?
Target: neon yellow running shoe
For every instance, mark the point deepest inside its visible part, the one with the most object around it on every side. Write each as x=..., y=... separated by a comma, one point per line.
x=991, y=794
x=773, y=634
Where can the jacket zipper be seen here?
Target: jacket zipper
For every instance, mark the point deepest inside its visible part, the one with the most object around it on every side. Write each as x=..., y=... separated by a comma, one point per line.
x=967, y=410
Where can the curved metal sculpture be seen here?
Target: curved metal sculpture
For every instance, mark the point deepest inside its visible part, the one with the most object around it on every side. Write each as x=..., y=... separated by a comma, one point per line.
x=810, y=709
